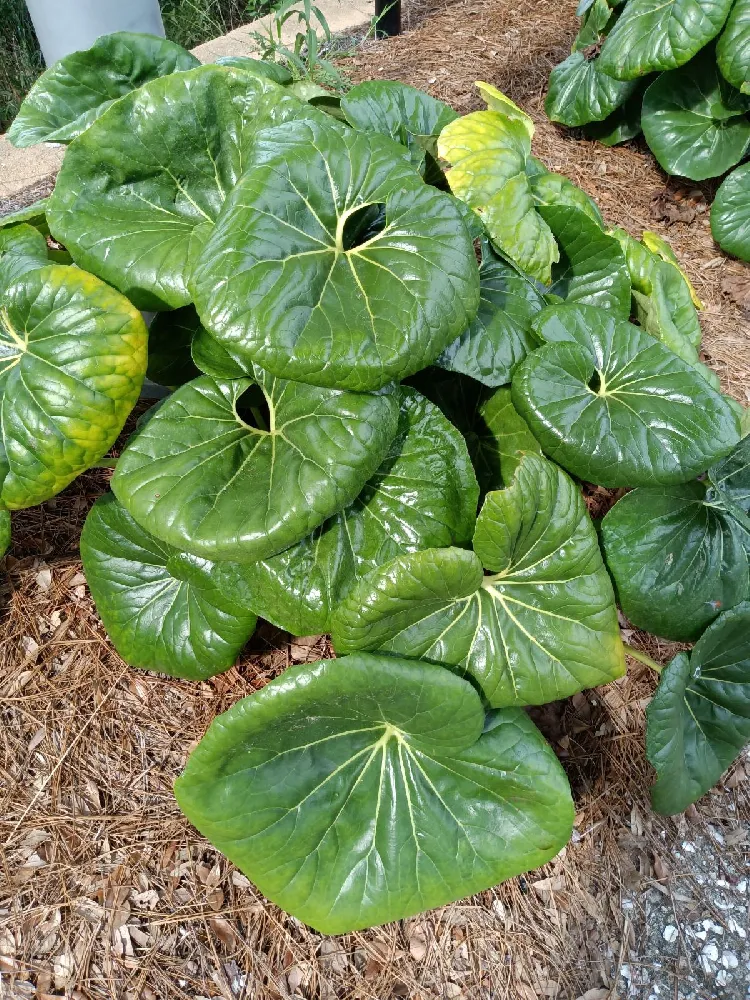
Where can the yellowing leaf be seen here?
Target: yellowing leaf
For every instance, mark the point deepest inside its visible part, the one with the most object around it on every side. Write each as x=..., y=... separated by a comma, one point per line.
x=656, y=244
x=497, y=101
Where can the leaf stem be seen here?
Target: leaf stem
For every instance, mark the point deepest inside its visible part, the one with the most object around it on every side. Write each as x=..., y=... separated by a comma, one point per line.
x=643, y=658
x=106, y=463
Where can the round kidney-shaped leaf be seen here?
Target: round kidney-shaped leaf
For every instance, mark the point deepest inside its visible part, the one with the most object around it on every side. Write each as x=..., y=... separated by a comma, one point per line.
x=616, y=407
x=677, y=560
x=580, y=93
x=72, y=362
x=488, y=154
x=140, y=190
x=74, y=92
x=366, y=789
x=424, y=494
x=656, y=35
x=733, y=47
x=541, y=626
x=695, y=123
x=240, y=469
x=334, y=264
x=699, y=719
x=499, y=337
x=163, y=610
x=730, y=213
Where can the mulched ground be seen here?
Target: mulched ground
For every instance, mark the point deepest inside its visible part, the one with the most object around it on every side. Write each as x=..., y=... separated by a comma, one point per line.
x=107, y=892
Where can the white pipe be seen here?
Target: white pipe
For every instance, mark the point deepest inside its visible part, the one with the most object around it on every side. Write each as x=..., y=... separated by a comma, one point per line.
x=65, y=26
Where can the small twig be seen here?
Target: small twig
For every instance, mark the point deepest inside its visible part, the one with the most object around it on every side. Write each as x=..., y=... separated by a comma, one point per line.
x=637, y=654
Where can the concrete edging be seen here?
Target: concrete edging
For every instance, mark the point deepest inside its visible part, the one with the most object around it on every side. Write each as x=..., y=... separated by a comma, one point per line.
x=23, y=168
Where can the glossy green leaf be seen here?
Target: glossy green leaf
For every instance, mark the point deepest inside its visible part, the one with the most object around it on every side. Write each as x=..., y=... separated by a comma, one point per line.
x=22, y=249
x=140, y=190
x=5, y=532
x=541, y=626
x=580, y=93
x=363, y=790
x=699, y=719
x=616, y=407
x=212, y=475
x=592, y=267
x=695, y=123
x=163, y=610
x=488, y=154
x=595, y=22
x=500, y=336
x=261, y=67
x=333, y=263
x=79, y=88
x=677, y=559
x=72, y=361
x=555, y=190
x=424, y=494
x=730, y=478
x=213, y=359
x=733, y=47
x=657, y=35
x=730, y=213
x=399, y=111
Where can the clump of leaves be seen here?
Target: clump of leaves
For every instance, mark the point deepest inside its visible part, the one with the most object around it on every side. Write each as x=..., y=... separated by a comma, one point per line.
x=680, y=72
x=371, y=316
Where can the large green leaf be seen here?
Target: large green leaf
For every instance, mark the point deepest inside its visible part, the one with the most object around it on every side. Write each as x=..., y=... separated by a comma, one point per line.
x=730, y=478
x=34, y=214
x=210, y=476
x=488, y=154
x=404, y=113
x=695, y=123
x=140, y=190
x=424, y=494
x=541, y=626
x=500, y=336
x=72, y=361
x=699, y=719
x=333, y=263
x=22, y=249
x=79, y=88
x=592, y=267
x=260, y=67
x=580, y=93
x=163, y=610
x=677, y=558
x=733, y=47
x=616, y=407
x=660, y=34
x=362, y=790
x=730, y=213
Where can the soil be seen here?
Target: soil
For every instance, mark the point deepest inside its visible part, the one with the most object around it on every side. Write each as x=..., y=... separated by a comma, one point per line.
x=105, y=889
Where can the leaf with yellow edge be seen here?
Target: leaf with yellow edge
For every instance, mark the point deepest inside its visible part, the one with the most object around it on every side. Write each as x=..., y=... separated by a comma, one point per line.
x=497, y=101
x=658, y=245
x=488, y=152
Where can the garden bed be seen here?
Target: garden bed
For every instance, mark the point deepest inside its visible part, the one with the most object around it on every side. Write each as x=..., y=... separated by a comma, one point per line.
x=111, y=893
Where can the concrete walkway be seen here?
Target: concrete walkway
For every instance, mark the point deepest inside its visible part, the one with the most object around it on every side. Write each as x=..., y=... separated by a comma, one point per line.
x=24, y=168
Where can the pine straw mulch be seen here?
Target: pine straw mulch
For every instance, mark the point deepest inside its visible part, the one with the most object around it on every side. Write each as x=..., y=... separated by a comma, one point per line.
x=107, y=892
